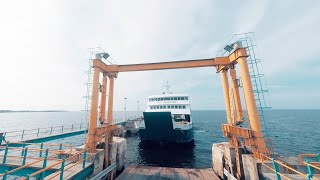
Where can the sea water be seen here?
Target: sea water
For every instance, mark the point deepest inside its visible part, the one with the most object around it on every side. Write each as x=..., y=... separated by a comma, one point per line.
x=292, y=132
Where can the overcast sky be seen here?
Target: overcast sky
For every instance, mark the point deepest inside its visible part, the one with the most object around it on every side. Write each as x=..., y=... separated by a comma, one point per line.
x=44, y=46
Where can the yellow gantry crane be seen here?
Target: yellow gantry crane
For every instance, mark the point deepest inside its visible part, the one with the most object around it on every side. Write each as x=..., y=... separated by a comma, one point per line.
x=253, y=137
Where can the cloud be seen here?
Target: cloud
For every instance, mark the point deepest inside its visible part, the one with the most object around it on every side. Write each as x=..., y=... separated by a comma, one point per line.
x=44, y=46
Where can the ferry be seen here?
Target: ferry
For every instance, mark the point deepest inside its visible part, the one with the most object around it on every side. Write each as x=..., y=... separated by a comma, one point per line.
x=167, y=119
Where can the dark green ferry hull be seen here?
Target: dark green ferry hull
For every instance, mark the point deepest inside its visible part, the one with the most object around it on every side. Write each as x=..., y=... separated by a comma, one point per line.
x=159, y=128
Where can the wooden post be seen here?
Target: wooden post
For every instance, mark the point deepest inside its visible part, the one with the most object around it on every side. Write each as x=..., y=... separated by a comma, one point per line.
x=91, y=144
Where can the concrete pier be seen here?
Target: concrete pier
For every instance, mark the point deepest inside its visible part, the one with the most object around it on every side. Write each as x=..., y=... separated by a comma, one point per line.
x=224, y=165
x=132, y=125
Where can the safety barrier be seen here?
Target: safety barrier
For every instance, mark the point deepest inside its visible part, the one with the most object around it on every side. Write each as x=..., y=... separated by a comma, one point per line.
x=37, y=153
x=40, y=132
x=63, y=165
x=277, y=163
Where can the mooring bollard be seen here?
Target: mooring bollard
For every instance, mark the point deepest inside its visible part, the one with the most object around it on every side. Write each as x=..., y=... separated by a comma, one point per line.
x=5, y=153
x=62, y=169
x=84, y=159
x=24, y=156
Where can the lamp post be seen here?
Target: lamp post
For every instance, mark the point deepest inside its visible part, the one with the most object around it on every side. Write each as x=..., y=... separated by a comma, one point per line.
x=125, y=108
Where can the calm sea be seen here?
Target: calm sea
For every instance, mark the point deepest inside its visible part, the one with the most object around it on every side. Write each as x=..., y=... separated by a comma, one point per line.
x=292, y=132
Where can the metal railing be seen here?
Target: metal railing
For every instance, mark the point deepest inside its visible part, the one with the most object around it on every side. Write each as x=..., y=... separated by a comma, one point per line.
x=275, y=168
x=65, y=164
x=41, y=132
x=37, y=154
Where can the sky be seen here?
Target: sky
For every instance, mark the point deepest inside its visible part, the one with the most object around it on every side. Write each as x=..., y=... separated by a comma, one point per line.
x=44, y=47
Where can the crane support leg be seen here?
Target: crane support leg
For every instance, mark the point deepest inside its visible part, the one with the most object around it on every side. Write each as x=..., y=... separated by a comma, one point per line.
x=102, y=117
x=236, y=95
x=225, y=86
x=110, y=100
x=91, y=143
x=231, y=105
x=253, y=115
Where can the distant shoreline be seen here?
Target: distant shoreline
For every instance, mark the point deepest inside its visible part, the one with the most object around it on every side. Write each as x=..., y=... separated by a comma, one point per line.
x=26, y=111
x=13, y=111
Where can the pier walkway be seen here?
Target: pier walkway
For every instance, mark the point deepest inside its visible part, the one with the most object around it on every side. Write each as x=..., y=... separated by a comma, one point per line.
x=24, y=137
x=148, y=172
x=39, y=135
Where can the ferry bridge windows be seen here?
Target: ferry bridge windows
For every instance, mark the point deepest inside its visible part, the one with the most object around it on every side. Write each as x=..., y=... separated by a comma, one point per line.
x=168, y=107
x=169, y=99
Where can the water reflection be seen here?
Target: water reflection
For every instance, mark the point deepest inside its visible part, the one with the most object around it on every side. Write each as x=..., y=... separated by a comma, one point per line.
x=170, y=155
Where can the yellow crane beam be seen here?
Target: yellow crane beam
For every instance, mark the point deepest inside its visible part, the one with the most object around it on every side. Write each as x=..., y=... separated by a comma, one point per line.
x=218, y=62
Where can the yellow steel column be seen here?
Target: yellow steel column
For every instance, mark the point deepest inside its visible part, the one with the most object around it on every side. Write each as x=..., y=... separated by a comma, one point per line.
x=94, y=111
x=110, y=100
x=236, y=95
x=253, y=115
x=102, y=117
x=231, y=106
x=225, y=86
